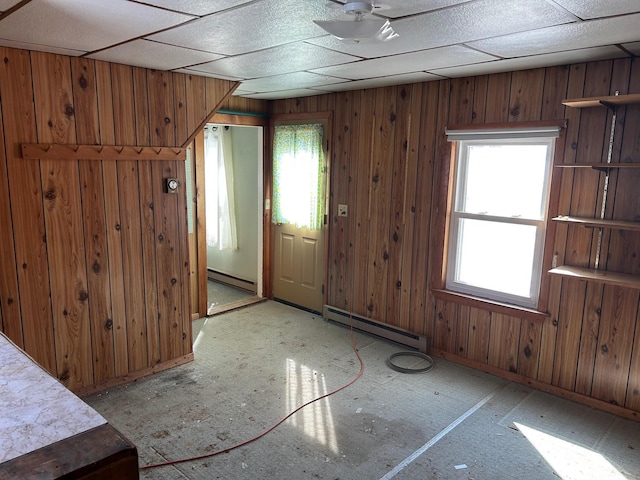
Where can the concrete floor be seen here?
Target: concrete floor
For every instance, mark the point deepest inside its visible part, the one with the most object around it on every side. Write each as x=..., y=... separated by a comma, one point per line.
x=254, y=365
x=222, y=294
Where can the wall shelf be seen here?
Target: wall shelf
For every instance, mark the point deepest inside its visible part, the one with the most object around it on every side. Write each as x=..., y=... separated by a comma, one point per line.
x=595, y=274
x=598, y=223
x=605, y=101
x=602, y=166
x=600, y=276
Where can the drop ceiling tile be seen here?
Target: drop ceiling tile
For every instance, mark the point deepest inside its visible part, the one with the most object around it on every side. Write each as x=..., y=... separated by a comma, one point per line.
x=276, y=38
x=160, y=56
x=592, y=33
x=633, y=47
x=288, y=81
x=85, y=24
x=254, y=26
x=191, y=71
x=40, y=48
x=196, y=7
x=586, y=9
x=407, y=63
x=242, y=93
x=302, y=92
x=417, y=77
x=402, y=8
x=459, y=24
x=537, y=61
x=276, y=61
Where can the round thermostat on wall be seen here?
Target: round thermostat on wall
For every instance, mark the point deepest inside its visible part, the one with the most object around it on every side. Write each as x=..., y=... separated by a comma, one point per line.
x=172, y=185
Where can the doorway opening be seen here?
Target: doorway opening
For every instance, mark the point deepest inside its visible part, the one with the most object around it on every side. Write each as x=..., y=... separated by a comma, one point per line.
x=233, y=180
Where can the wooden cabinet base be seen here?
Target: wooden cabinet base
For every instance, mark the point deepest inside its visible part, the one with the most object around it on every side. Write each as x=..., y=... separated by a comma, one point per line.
x=101, y=453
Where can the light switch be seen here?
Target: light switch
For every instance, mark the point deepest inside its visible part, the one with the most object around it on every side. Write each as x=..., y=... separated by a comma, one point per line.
x=343, y=210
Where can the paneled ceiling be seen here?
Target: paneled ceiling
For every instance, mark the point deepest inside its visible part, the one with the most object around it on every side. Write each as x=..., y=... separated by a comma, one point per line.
x=276, y=51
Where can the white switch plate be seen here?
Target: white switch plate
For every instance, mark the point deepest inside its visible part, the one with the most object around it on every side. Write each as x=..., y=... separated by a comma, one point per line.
x=343, y=210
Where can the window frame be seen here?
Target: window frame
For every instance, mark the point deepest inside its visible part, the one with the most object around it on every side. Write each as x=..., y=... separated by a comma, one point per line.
x=535, y=310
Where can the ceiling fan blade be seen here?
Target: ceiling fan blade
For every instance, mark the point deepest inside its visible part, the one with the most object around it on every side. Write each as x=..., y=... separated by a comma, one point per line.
x=362, y=30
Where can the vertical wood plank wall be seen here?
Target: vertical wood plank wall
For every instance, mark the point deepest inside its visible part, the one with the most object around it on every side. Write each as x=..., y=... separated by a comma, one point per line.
x=86, y=285
x=389, y=166
x=94, y=264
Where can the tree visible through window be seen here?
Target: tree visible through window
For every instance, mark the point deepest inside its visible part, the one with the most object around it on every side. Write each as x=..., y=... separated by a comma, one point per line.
x=499, y=215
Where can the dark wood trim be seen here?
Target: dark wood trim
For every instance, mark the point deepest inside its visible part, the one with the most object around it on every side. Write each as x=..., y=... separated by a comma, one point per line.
x=490, y=305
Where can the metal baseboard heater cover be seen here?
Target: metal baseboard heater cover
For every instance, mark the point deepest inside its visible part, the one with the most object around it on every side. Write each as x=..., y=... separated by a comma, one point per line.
x=374, y=327
x=247, y=285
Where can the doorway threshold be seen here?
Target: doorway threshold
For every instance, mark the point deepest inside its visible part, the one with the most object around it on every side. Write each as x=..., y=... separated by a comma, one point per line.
x=227, y=307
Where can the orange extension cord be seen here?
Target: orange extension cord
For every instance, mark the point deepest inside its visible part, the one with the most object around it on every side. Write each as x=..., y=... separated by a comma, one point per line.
x=277, y=424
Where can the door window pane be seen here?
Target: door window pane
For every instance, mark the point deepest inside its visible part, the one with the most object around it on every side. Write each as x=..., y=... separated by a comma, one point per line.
x=298, y=176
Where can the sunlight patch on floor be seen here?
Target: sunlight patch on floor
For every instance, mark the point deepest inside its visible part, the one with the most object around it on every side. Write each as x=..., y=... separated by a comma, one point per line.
x=316, y=420
x=198, y=339
x=570, y=461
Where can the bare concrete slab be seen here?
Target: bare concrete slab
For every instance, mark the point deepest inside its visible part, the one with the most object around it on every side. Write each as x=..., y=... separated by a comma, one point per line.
x=253, y=366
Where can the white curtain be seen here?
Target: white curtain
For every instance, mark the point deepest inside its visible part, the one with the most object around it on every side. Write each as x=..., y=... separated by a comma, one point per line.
x=220, y=204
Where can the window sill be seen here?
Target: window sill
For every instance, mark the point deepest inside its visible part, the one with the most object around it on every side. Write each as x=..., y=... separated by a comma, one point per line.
x=491, y=305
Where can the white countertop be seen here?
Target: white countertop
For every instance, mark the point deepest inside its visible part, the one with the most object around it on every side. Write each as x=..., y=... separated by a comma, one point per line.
x=35, y=409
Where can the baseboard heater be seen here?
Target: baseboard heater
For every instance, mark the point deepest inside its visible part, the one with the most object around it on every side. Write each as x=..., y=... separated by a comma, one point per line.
x=247, y=285
x=379, y=329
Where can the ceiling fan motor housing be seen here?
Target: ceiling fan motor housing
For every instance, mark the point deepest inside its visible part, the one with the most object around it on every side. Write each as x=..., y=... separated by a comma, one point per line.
x=358, y=7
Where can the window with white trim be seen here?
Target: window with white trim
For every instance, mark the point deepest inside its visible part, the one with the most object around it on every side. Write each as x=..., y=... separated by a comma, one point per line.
x=499, y=213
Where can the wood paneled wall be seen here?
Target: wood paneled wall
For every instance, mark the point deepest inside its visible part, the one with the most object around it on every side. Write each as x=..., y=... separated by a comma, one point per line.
x=390, y=166
x=94, y=276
